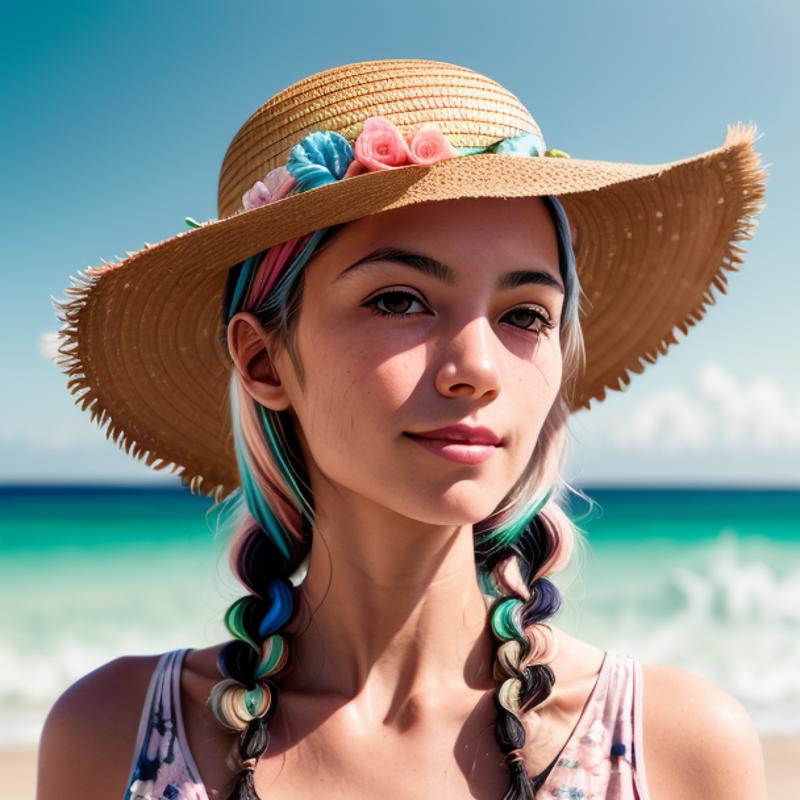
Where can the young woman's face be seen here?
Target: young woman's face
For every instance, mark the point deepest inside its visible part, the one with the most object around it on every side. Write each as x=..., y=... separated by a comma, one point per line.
x=464, y=287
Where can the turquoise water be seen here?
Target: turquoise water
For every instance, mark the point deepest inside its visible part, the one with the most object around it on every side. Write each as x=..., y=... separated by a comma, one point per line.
x=705, y=579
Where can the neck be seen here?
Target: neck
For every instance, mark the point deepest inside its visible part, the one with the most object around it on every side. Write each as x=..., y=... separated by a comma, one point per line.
x=392, y=606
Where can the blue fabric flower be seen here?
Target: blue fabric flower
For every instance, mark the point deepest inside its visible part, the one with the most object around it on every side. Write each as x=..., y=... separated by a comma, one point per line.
x=526, y=144
x=322, y=157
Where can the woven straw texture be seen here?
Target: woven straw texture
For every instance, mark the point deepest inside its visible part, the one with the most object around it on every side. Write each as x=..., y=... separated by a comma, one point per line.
x=143, y=341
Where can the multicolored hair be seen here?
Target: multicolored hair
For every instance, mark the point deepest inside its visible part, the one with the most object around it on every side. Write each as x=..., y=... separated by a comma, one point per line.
x=527, y=537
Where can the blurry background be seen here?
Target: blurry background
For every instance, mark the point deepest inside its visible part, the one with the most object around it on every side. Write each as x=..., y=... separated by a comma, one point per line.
x=116, y=118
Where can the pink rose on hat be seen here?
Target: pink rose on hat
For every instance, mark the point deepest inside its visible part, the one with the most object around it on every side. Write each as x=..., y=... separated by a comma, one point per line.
x=381, y=145
x=277, y=184
x=427, y=145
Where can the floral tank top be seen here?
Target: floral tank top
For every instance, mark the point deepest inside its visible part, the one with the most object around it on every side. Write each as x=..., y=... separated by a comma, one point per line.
x=601, y=760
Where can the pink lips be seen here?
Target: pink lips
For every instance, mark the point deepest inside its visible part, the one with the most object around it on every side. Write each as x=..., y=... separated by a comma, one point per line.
x=460, y=443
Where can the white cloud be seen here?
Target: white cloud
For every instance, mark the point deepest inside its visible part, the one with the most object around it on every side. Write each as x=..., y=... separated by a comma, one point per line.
x=757, y=412
x=720, y=412
x=669, y=420
x=48, y=437
x=48, y=344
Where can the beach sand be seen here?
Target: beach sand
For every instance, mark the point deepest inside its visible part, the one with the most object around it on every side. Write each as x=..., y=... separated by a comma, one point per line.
x=781, y=753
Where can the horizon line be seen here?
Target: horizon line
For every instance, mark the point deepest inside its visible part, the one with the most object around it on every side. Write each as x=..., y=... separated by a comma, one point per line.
x=615, y=485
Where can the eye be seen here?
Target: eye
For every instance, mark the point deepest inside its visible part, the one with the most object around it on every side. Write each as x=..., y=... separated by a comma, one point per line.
x=531, y=318
x=395, y=303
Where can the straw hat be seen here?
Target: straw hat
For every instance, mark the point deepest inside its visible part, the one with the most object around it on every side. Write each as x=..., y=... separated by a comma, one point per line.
x=143, y=340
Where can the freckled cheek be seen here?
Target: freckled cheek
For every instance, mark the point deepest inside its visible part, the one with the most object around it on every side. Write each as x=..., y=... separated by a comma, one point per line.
x=357, y=396
x=385, y=369
x=549, y=365
x=531, y=391
x=541, y=371
x=396, y=378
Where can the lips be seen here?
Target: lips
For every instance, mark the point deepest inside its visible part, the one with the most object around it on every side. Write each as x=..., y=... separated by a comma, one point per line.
x=463, y=434
x=461, y=444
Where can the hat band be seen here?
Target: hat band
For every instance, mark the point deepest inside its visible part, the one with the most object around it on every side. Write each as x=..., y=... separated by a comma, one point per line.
x=324, y=157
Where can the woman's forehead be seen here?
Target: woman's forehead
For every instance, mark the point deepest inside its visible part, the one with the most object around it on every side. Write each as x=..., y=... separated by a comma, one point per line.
x=512, y=232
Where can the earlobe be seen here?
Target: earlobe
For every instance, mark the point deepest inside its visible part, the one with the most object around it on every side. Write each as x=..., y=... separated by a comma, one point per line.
x=249, y=350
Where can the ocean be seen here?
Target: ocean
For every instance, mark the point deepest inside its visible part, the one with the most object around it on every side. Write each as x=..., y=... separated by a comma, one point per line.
x=706, y=579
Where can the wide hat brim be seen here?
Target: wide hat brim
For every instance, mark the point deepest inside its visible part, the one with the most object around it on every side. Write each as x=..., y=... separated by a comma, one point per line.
x=143, y=341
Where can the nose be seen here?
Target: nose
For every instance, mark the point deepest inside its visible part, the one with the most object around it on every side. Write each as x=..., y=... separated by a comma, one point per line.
x=469, y=365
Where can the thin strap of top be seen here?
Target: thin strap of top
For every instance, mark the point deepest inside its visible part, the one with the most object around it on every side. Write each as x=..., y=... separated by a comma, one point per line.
x=603, y=758
x=163, y=767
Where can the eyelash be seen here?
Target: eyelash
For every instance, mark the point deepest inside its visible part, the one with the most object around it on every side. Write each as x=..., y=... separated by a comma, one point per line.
x=545, y=325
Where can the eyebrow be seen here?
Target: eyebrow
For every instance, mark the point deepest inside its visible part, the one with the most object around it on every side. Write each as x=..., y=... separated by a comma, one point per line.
x=445, y=274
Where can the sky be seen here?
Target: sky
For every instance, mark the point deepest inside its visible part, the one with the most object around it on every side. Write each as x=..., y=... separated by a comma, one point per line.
x=116, y=117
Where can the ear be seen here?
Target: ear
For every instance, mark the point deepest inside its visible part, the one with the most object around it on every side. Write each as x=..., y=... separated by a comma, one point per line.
x=249, y=349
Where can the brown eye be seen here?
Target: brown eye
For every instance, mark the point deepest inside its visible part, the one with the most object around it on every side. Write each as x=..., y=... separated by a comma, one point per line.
x=396, y=302
x=392, y=304
x=530, y=319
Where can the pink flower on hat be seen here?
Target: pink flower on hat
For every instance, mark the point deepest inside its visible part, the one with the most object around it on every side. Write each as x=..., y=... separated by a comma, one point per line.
x=277, y=184
x=427, y=145
x=381, y=145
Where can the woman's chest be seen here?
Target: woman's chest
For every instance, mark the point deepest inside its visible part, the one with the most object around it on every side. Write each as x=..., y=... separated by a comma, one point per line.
x=441, y=767
x=337, y=757
x=446, y=743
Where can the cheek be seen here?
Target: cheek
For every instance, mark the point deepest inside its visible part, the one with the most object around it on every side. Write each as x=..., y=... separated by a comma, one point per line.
x=553, y=370
x=354, y=391
x=535, y=380
x=533, y=389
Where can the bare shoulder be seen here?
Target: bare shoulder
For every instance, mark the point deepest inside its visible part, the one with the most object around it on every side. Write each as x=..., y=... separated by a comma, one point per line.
x=89, y=735
x=691, y=722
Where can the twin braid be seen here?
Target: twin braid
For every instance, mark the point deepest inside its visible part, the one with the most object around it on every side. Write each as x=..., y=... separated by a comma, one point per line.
x=525, y=646
x=271, y=546
x=246, y=699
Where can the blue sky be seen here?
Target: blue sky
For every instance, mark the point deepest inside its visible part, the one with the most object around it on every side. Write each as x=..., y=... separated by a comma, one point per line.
x=116, y=118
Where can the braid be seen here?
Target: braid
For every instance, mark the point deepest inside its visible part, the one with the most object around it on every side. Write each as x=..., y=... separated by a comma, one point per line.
x=275, y=535
x=271, y=545
x=246, y=699
x=528, y=537
x=525, y=644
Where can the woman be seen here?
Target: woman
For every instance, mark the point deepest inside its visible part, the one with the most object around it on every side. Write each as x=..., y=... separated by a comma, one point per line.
x=402, y=338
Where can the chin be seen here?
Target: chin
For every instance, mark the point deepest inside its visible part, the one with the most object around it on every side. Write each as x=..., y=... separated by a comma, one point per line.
x=461, y=505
